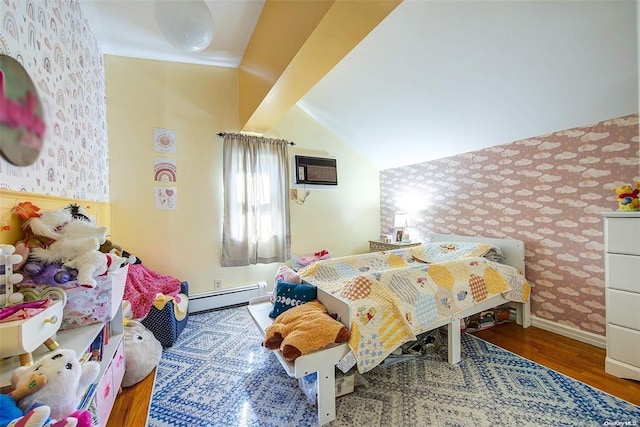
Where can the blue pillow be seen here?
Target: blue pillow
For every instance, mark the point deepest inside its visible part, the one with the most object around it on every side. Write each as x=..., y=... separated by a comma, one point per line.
x=289, y=295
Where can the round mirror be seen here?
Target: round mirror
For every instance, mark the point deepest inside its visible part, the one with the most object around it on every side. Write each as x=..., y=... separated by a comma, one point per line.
x=21, y=120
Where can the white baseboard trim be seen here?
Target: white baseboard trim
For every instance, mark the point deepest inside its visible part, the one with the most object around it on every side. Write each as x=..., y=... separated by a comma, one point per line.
x=568, y=331
x=225, y=297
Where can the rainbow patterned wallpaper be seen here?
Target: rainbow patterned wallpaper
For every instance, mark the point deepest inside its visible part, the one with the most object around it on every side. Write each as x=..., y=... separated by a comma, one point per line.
x=52, y=41
x=547, y=191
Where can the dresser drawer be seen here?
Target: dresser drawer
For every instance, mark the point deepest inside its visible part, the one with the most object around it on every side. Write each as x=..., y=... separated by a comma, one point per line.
x=623, y=345
x=105, y=396
x=623, y=308
x=118, y=365
x=623, y=235
x=24, y=336
x=623, y=272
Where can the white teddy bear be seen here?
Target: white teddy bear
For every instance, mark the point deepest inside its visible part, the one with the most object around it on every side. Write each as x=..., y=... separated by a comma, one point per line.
x=67, y=381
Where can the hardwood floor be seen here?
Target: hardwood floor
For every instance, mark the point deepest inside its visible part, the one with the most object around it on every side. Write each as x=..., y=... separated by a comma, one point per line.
x=573, y=358
x=583, y=362
x=132, y=404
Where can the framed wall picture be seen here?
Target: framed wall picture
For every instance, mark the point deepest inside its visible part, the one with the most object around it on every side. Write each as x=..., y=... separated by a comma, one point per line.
x=166, y=198
x=164, y=170
x=164, y=140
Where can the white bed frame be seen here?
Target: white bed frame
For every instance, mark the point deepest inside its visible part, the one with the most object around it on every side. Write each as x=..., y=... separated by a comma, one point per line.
x=324, y=361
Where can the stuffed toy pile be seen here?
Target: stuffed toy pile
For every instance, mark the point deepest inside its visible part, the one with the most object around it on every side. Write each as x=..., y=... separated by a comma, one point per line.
x=65, y=239
x=49, y=392
x=303, y=329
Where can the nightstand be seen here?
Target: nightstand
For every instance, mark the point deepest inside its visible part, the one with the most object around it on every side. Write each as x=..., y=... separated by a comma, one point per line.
x=377, y=245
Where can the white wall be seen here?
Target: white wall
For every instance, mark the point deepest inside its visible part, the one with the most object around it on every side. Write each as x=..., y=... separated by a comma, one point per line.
x=341, y=219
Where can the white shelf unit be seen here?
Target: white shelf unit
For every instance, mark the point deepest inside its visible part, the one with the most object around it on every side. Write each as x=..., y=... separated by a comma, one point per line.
x=622, y=264
x=79, y=339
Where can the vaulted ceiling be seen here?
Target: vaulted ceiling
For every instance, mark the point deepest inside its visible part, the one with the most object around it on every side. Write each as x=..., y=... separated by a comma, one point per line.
x=411, y=81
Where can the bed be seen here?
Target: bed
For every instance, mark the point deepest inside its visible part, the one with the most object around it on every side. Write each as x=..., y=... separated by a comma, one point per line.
x=339, y=283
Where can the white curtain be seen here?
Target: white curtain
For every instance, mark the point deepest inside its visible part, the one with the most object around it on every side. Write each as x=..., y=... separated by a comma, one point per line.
x=256, y=208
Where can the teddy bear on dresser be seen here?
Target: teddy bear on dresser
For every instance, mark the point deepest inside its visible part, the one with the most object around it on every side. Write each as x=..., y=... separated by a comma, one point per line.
x=628, y=197
x=303, y=329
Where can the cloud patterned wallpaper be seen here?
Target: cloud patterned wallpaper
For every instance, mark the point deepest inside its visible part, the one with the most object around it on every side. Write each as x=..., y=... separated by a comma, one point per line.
x=549, y=191
x=53, y=42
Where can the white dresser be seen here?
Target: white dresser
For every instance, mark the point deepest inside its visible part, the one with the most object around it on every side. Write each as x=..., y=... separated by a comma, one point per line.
x=622, y=277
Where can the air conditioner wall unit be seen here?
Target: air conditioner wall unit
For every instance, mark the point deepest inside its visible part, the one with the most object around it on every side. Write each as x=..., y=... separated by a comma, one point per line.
x=315, y=170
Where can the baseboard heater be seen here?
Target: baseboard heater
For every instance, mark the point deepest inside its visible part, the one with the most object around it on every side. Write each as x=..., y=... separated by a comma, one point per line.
x=224, y=298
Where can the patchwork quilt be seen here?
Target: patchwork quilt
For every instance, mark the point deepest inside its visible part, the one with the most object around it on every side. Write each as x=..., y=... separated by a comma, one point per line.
x=331, y=271
x=446, y=251
x=394, y=297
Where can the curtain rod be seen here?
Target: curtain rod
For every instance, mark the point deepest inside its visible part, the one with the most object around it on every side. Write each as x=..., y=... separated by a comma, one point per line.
x=222, y=134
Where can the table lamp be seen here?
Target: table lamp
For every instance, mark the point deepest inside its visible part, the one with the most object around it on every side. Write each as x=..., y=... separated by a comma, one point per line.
x=399, y=223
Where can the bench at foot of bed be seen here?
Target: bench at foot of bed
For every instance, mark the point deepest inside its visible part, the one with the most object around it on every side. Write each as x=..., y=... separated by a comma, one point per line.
x=322, y=361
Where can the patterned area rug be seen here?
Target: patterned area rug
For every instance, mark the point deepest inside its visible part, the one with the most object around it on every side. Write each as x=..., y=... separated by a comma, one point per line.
x=217, y=374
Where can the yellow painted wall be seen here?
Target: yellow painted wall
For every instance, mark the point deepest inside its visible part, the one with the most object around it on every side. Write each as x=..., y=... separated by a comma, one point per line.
x=342, y=219
x=198, y=102
x=10, y=223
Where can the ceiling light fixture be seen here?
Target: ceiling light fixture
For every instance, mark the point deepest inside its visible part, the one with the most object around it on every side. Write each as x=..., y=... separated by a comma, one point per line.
x=186, y=24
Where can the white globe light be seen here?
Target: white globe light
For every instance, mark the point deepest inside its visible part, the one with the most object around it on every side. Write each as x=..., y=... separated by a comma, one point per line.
x=186, y=24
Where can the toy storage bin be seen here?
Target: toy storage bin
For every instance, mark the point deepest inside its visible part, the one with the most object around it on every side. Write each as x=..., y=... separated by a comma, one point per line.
x=163, y=323
x=85, y=306
x=108, y=387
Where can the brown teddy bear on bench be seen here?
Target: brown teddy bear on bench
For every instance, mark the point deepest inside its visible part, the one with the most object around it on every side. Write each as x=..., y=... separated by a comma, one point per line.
x=303, y=329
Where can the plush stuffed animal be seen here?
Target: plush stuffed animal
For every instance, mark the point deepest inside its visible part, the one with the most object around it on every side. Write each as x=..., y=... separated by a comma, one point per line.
x=109, y=247
x=303, y=329
x=67, y=381
x=60, y=224
x=48, y=274
x=38, y=415
x=92, y=264
x=11, y=415
x=67, y=236
x=142, y=352
x=628, y=197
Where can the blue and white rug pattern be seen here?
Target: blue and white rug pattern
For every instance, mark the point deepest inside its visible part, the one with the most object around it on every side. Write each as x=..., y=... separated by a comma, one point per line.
x=218, y=374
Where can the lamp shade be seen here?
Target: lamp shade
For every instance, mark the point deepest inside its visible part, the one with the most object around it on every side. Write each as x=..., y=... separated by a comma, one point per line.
x=401, y=220
x=186, y=24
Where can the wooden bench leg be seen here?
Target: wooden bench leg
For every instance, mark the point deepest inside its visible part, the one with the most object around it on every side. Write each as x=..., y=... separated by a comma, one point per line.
x=326, y=395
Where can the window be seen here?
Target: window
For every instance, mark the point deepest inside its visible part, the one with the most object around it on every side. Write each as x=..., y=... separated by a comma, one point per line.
x=256, y=209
